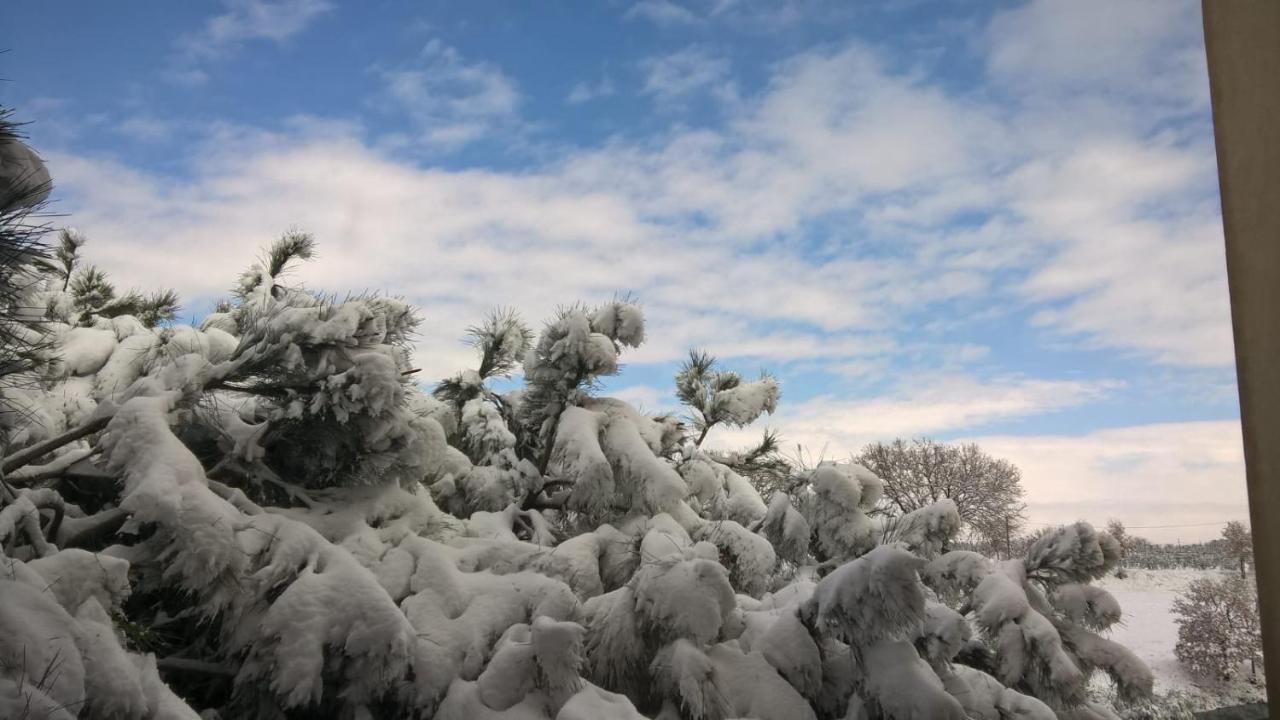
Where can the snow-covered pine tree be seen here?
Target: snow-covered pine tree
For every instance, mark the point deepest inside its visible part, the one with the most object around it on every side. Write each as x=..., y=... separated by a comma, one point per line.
x=264, y=518
x=1041, y=621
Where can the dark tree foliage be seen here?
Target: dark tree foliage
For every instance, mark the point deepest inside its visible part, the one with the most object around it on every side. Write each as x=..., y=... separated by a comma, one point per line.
x=24, y=186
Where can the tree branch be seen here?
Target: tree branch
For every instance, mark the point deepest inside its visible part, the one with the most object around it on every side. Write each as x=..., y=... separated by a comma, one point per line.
x=194, y=666
x=27, y=455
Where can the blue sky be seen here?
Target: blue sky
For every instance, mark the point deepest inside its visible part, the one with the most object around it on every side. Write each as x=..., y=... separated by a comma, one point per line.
x=969, y=221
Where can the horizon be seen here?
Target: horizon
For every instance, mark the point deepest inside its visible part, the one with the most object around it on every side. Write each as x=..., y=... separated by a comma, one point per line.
x=995, y=224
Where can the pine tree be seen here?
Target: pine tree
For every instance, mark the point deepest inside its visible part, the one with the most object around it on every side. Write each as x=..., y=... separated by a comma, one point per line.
x=265, y=517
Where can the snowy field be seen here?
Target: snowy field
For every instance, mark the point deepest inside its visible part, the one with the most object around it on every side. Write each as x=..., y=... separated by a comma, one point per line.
x=1148, y=627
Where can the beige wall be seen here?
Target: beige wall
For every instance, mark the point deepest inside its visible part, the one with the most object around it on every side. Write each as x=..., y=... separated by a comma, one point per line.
x=1242, y=38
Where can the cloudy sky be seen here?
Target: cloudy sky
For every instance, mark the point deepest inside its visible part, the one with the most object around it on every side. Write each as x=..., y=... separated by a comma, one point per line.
x=995, y=222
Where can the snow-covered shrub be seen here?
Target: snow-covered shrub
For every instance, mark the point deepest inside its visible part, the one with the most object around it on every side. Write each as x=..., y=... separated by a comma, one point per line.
x=1218, y=626
x=1238, y=545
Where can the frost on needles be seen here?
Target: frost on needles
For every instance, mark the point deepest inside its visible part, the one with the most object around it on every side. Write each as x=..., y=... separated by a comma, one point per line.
x=264, y=517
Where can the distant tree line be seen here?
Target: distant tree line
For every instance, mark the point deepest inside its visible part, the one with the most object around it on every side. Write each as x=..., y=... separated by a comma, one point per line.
x=1232, y=551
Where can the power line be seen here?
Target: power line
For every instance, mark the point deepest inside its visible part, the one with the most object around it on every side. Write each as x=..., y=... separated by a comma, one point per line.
x=1151, y=527
x=1144, y=527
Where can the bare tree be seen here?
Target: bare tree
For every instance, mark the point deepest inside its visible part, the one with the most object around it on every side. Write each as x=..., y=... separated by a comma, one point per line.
x=1239, y=544
x=987, y=491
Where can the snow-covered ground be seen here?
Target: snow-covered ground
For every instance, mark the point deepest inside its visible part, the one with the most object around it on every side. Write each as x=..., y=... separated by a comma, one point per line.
x=1148, y=625
x=1149, y=628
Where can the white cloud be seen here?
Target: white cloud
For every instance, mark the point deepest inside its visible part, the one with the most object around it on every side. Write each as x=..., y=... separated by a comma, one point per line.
x=1138, y=261
x=243, y=21
x=452, y=101
x=702, y=223
x=587, y=91
x=837, y=428
x=833, y=131
x=1186, y=474
x=685, y=72
x=457, y=243
x=661, y=12
x=645, y=398
x=751, y=15
x=274, y=20
x=1146, y=48
x=145, y=128
x=1123, y=201
x=620, y=218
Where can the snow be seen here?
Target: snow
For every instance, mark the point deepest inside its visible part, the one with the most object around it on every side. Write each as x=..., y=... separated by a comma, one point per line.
x=578, y=457
x=484, y=430
x=873, y=597
x=510, y=674
x=752, y=688
x=86, y=350
x=904, y=686
x=371, y=386
x=112, y=683
x=126, y=364
x=332, y=612
x=44, y=414
x=846, y=492
x=1087, y=605
x=615, y=647
x=1147, y=625
x=642, y=478
x=593, y=703
x=742, y=404
x=74, y=576
x=1078, y=552
x=621, y=321
x=957, y=570
x=569, y=346
x=34, y=635
x=221, y=321
x=458, y=616
x=787, y=530
x=788, y=647
x=984, y=698
x=945, y=632
x=751, y=557
x=183, y=340
x=222, y=344
x=683, y=599
x=164, y=483
x=738, y=499
x=926, y=530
